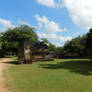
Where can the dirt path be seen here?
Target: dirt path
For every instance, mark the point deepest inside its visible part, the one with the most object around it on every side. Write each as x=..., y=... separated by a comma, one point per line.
x=3, y=66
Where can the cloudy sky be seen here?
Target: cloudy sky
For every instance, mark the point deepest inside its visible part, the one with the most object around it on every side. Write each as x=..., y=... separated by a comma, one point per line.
x=56, y=20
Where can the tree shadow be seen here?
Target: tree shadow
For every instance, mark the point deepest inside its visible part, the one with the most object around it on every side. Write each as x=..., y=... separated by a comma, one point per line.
x=11, y=62
x=80, y=67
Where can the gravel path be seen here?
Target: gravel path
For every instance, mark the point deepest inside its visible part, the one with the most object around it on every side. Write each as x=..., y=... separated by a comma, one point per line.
x=3, y=66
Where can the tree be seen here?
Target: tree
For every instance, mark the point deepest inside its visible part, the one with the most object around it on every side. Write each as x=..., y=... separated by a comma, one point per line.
x=75, y=47
x=0, y=40
x=12, y=37
x=59, y=52
x=51, y=46
x=1, y=51
x=89, y=43
x=46, y=41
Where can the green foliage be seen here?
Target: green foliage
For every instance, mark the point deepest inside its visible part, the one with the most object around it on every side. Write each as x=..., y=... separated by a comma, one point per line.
x=12, y=37
x=89, y=43
x=78, y=47
x=75, y=47
x=59, y=49
x=1, y=40
x=52, y=47
x=20, y=33
x=46, y=41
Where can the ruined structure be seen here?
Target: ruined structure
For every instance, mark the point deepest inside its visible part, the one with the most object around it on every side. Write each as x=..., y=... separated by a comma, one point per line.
x=29, y=52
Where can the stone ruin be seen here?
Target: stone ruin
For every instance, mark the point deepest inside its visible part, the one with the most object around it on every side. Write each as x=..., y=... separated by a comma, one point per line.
x=30, y=52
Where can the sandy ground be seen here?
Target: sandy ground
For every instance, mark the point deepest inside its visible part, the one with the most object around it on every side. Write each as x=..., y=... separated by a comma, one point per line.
x=3, y=66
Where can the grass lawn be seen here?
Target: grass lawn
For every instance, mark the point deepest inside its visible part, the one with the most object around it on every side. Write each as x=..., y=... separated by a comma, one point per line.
x=65, y=75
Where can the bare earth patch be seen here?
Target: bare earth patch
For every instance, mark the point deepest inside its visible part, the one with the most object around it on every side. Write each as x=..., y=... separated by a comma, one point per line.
x=3, y=66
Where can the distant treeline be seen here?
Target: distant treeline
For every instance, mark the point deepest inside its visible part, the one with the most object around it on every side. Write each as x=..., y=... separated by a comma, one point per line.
x=79, y=47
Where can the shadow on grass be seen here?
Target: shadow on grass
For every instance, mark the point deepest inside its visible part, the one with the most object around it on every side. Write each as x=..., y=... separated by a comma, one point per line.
x=80, y=67
x=11, y=62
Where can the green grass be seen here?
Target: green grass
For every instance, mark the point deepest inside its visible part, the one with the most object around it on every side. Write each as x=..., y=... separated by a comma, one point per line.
x=65, y=75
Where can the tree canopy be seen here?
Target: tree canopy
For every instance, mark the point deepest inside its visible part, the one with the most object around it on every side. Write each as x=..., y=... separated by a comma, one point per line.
x=12, y=37
x=89, y=43
x=75, y=47
x=80, y=46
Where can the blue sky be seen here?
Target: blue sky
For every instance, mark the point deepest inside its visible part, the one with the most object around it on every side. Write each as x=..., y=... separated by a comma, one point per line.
x=56, y=20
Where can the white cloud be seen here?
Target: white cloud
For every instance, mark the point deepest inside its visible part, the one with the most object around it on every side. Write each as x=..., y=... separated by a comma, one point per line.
x=57, y=44
x=54, y=37
x=47, y=25
x=64, y=39
x=48, y=3
x=23, y=23
x=80, y=12
x=49, y=30
x=6, y=23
